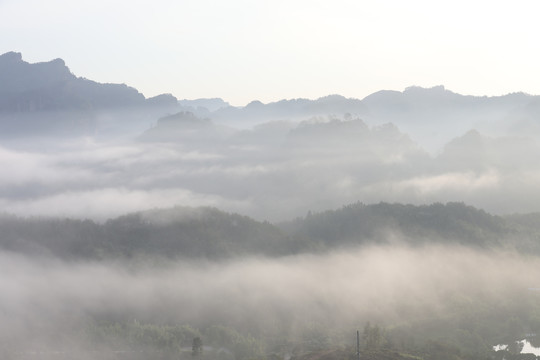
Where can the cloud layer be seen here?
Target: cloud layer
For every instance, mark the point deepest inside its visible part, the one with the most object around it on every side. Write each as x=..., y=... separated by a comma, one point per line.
x=272, y=172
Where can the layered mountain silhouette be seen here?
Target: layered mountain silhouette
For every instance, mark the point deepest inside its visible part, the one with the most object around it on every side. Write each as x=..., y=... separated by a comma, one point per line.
x=431, y=116
x=291, y=109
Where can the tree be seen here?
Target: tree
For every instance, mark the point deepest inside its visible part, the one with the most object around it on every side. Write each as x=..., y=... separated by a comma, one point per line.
x=197, y=346
x=372, y=336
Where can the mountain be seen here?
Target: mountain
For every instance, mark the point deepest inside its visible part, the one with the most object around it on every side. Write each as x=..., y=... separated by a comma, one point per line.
x=434, y=116
x=208, y=105
x=476, y=152
x=436, y=101
x=48, y=86
x=352, y=141
x=186, y=128
x=257, y=112
x=177, y=232
x=47, y=99
x=430, y=116
x=443, y=223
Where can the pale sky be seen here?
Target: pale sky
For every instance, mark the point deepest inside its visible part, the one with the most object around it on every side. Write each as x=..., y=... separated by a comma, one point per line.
x=243, y=50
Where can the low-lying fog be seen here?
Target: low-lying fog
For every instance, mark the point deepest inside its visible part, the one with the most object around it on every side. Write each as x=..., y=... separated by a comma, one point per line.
x=43, y=300
x=274, y=172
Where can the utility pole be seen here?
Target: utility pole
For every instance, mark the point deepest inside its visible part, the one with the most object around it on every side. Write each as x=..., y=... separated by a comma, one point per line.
x=357, y=345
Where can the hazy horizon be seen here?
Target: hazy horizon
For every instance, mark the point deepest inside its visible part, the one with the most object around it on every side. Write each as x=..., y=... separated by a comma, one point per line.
x=267, y=51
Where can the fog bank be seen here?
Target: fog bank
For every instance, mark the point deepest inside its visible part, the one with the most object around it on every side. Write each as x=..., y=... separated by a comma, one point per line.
x=44, y=299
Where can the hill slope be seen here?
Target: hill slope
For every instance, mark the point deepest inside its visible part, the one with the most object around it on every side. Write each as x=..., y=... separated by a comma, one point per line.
x=181, y=232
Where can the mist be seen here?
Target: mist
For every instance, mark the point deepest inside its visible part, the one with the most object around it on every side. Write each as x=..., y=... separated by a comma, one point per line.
x=274, y=171
x=76, y=148
x=44, y=299
x=137, y=228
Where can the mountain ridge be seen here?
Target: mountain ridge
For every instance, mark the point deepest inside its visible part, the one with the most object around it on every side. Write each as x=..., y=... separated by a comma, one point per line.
x=47, y=86
x=430, y=116
x=15, y=59
x=207, y=232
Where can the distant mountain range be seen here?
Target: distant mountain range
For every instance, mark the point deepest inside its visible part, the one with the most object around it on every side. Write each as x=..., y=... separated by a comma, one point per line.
x=430, y=116
x=52, y=86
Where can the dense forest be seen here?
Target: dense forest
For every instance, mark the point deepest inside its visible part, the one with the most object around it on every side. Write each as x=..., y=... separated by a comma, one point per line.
x=183, y=232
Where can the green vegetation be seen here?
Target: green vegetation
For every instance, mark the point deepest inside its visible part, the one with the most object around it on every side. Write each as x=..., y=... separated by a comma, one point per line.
x=433, y=339
x=210, y=233
x=172, y=233
x=447, y=223
x=173, y=341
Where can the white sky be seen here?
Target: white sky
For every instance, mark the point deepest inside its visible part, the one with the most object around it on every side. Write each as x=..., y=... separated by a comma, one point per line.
x=242, y=50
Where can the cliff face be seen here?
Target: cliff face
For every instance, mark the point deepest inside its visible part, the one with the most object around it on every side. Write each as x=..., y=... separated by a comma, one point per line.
x=26, y=87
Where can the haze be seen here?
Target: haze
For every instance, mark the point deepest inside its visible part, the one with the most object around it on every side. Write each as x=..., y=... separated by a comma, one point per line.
x=337, y=292
x=261, y=180
x=270, y=50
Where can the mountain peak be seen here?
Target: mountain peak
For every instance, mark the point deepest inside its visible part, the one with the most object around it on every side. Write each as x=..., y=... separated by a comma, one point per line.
x=254, y=104
x=11, y=57
x=414, y=88
x=50, y=85
x=58, y=62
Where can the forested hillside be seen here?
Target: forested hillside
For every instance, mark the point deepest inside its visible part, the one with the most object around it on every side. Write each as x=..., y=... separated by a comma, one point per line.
x=436, y=223
x=182, y=232
x=172, y=233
